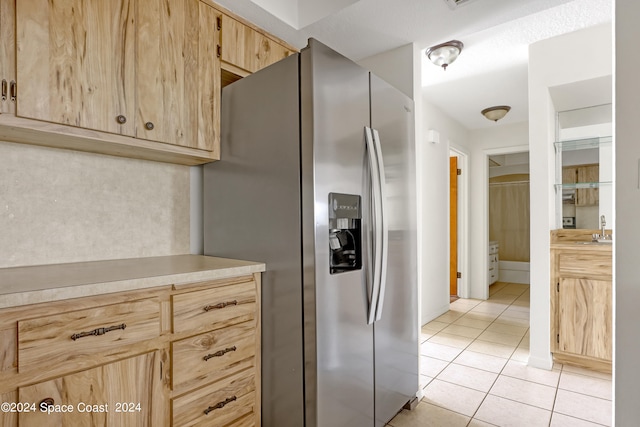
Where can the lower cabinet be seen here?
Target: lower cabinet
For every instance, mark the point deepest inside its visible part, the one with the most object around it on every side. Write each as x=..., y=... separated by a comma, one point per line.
x=124, y=393
x=581, y=306
x=179, y=355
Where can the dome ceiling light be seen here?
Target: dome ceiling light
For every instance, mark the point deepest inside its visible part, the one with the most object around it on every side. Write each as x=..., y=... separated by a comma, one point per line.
x=444, y=54
x=496, y=113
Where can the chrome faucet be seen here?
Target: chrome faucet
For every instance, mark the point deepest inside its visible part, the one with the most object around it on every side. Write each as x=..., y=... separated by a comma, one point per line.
x=603, y=223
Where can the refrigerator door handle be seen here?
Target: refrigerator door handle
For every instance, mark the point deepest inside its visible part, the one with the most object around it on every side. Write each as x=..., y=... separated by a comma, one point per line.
x=383, y=225
x=374, y=263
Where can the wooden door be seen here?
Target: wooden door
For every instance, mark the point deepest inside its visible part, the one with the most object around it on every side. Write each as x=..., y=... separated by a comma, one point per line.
x=453, y=221
x=178, y=73
x=75, y=63
x=237, y=42
x=107, y=391
x=7, y=53
x=585, y=317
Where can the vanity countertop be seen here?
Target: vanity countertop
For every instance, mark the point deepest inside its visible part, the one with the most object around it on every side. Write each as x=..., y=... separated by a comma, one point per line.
x=44, y=283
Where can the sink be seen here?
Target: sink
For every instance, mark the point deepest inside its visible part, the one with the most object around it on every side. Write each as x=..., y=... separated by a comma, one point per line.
x=599, y=242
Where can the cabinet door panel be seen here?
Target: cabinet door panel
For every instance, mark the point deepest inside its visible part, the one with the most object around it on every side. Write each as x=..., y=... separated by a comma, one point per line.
x=135, y=380
x=75, y=62
x=176, y=73
x=584, y=317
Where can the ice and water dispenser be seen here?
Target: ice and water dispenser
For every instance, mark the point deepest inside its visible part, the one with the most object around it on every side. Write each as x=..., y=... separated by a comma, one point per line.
x=345, y=237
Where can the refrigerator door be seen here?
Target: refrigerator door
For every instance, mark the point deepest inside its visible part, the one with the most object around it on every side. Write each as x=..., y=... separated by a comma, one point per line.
x=338, y=340
x=396, y=331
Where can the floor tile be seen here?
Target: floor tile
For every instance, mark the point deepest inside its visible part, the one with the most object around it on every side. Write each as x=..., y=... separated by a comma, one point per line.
x=456, y=341
x=515, y=321
x=504, y=412
x=491, y=348
x=481, y=316
x=434, y=326
x=453, y=397
x=431, y=367
x=502, y=328
x=591, y=386
x=584, y=407
x=468, y=377
x=560, y=420
x=477, y=423
x=464, y=331
x=448, y=317
x=586, y=372
x=482, y=361
x=521, y=354
x=472, y=323
x=526, y=392
x=439, y=351
x=521, y=371
x=499, y=338
x=427, y=415
x=424, y=380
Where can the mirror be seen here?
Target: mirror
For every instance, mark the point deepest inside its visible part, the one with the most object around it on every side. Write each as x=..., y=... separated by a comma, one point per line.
x=584, y=167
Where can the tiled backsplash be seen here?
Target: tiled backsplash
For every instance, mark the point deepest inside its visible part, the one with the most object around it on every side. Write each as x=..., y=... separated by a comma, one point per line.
x=60, y=206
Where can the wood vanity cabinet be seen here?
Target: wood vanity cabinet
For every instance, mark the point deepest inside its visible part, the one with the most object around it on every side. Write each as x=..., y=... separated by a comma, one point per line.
x=171, y=356
x=581, y=305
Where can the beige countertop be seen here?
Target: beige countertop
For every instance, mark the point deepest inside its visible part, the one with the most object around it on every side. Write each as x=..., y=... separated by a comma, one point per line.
x=43, y=283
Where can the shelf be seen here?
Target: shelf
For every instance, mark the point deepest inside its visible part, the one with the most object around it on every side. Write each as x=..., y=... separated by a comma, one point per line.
x=581, y=185
x=581, y=144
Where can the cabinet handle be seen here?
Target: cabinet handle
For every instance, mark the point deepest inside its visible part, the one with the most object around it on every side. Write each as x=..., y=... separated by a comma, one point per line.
x=13, y=90
x=4, y=90
x=220, y=405
x=219, y=353
x=219, y=51
x=98, y=331
x=47, y=401
x=221, y=305
x=149, y=126
x=121, y=119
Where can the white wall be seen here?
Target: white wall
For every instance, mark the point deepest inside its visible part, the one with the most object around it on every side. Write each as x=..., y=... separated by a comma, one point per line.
x=627, y=205
x=433, y=161
x=572, y=57
x=510, y=138
x=59, y=206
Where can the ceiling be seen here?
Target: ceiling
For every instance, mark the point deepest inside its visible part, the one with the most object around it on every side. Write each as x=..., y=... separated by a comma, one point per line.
x=492, y=68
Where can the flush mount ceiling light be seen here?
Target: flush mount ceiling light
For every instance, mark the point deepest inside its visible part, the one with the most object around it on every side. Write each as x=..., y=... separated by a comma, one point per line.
x=444, y=54
x=496, y=113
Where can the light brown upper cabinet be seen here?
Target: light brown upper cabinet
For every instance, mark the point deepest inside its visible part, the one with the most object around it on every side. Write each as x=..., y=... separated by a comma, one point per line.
x=7, y=57
x=131, y=67
x=246, y=50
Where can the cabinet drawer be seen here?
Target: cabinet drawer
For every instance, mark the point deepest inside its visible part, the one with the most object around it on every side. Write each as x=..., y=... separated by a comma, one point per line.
x=209, y=357
x=67, y=338
x=219, y=404
x=214, y=308
x=585, y=265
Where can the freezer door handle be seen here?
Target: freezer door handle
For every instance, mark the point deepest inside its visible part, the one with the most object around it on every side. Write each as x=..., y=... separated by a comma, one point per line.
x=376, y=244
x=383, y=225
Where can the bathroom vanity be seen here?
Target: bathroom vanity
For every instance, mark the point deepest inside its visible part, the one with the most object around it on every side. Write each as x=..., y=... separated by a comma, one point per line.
x=581, y=299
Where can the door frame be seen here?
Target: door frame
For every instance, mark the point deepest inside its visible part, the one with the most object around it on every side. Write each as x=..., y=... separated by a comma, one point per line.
x=485, y=202
x=462, y=154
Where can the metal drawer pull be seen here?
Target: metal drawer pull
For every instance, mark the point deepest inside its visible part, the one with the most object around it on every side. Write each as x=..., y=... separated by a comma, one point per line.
x=219, y=353
x=4, y=90
x=13, y=90
x=219, y=405
x=98, y=331
x=221, y=305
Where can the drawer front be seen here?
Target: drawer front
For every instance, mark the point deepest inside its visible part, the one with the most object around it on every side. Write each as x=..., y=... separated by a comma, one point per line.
x=76, y=336
x=585, y=265
x=214, y=308
x=219, y=404
x=209, y=357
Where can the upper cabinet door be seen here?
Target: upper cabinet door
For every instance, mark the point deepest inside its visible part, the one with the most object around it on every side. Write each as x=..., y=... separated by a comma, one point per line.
x=75, y=63
x=7, y=55
x=247, y=48
x=178, y=73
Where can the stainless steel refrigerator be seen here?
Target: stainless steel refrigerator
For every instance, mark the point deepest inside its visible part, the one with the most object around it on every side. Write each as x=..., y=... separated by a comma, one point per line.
x=317, y=180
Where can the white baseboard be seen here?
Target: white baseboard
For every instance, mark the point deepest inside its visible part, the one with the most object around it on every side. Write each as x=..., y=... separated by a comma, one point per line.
x=541, y=362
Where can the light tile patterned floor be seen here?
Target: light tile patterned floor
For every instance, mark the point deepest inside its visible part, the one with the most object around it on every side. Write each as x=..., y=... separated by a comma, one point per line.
x=474, y=372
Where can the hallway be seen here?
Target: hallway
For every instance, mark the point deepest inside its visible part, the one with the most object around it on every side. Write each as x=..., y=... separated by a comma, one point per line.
x=474, y=372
